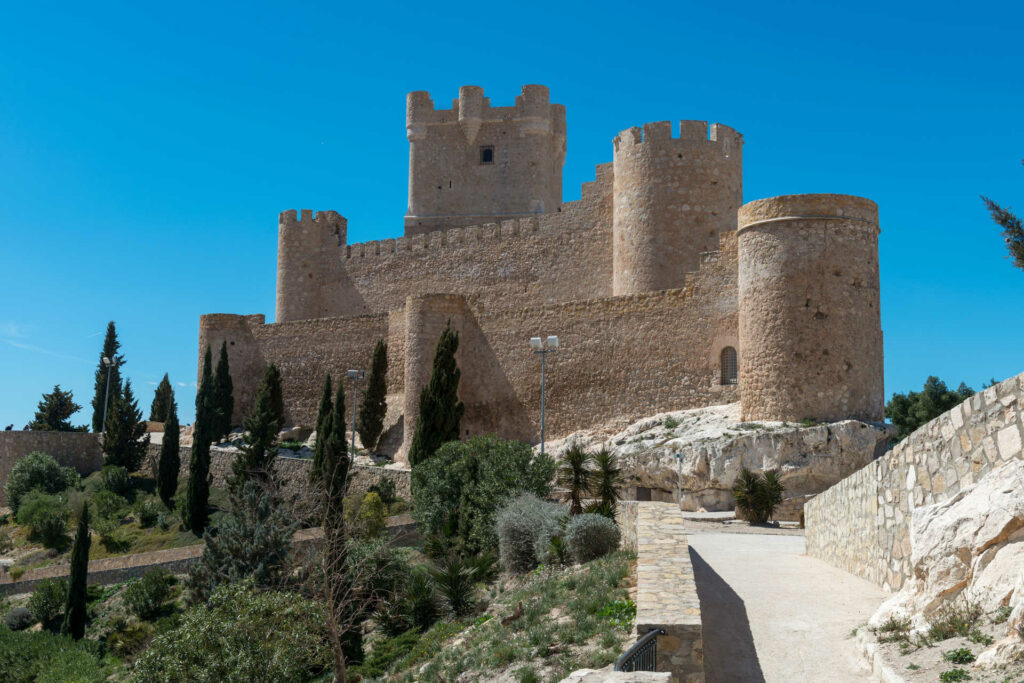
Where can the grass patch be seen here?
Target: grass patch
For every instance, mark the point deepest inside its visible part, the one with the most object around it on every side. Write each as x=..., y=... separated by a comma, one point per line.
x=954, y=620
x=1001, y=615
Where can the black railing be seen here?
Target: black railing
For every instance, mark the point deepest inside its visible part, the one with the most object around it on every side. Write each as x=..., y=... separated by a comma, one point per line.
x=643, y=656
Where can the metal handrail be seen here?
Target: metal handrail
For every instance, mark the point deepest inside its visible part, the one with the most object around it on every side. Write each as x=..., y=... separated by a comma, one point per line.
x=643, y=656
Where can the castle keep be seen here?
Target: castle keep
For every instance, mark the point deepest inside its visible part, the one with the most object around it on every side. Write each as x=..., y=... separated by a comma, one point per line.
x=665, y=290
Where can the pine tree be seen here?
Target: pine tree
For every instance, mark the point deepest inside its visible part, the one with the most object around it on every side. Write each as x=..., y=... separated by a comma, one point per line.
x=272, y=380
x=124, y=437
x=324, y=429
x=255, y=460
x=1013, y=229
x=54, y=412
x=74, y=610
x=370, y=422
x=162, y=400
x=197, y=493
x=110, y=347
x=170, y=458
x=440, y=414
x=223, y=394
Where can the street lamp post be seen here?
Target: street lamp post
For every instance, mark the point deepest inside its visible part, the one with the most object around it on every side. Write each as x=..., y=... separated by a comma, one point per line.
x=539, y=346
x=355, y=376
x=111, y=363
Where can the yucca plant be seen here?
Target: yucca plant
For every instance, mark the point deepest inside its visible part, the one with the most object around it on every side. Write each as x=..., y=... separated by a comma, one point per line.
x=757, y=496
x=574, y=475
x=455, y=581
x=607, y=480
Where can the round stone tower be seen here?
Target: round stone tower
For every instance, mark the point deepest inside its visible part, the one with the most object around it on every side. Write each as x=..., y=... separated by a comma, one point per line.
x=307, y=255
x=672, y=198
x=809, y=324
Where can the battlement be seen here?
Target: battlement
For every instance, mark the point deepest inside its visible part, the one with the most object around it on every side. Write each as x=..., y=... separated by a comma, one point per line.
x=532, y=107
x=691, y=134
x=292, y=217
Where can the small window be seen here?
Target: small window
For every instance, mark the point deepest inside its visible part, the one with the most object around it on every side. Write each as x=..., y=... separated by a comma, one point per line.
x=728, y=362
x=486, y=155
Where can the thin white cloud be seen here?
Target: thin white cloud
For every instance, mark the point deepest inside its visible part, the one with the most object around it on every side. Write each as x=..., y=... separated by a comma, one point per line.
x=95, y=334
x=153, y=383
x=12, y=329
x=38, y=349
x=182, y=384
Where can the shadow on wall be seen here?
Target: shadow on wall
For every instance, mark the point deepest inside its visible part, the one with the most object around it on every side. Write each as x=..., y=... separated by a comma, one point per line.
x=729, y=653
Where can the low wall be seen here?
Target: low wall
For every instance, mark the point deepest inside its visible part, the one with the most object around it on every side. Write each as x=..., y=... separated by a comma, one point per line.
x=666, y=591
x=862, y=524
x=80, y=450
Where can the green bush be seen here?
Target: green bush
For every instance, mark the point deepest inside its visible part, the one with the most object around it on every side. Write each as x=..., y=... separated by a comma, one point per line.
x=146, y=595
x=18, y=619
x=148, y=512
x=961, y=655
x=241, y=635
x=386, y=652
x=129, y=637
x=373, y=516
x=46, y=517
x=47, y=601
x=458, y=490
x=757, y=496
x=525, y=526
x=116, y=479
x=385, y=488
x=455, y=581
x=108, y=505
x=954, y=675
x=37, y=471
x=43, y=657
x=590, y=536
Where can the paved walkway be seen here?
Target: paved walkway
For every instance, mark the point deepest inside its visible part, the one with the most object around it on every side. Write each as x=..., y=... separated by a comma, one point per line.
x=772, y=614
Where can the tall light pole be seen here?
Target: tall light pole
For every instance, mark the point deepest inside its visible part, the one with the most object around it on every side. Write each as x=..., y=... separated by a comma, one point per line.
x=355, y=376
x=538, y=345
x=111, y=363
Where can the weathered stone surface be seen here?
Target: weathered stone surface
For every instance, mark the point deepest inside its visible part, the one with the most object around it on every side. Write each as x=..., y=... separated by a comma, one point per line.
x=603, y=675
x=715, y=446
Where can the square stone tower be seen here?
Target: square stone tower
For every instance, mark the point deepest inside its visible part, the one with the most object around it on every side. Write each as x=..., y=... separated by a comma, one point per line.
x=474, y=163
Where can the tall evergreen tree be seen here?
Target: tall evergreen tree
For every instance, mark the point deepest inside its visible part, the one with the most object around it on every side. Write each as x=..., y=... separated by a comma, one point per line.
x=255, y=460
x=170, y=458
x=162, y=400
x=223, y=394
x=125, y=438
x=54, y=412
x=324, y=429
x=334, y=464
x=197, y=494
x=110, y=348
x=440, y=414
x=74, y=610
x=272, y=380
x=370, y=422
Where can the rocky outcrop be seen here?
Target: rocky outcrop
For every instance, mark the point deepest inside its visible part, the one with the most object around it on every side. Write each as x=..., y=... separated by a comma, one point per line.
x=713, y=445
x=969, y=550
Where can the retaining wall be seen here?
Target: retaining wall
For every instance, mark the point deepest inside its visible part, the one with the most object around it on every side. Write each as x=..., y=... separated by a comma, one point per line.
x=80, y=450
x=862, y=524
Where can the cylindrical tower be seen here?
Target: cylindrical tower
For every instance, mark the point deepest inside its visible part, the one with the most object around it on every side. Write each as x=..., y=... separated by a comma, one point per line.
x=307, y=254
x=809, y=321
x=672, y=197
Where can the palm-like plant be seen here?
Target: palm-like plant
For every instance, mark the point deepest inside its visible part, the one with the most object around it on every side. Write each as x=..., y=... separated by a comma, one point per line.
x=757, y=496
x=456, y=580
x=607, y=480
x=574, y=475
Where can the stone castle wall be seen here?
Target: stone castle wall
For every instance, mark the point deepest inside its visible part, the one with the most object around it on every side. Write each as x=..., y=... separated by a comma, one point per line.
x=80, y=450
x=862, y=524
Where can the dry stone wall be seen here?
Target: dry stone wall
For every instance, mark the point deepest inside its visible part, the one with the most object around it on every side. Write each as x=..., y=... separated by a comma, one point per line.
x=80, y=450
x=862, y=524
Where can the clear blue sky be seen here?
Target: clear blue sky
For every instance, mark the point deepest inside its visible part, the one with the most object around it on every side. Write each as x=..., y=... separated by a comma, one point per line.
x=146, y=150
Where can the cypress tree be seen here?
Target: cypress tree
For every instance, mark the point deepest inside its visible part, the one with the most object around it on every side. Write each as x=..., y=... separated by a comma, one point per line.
x=54, y=411
x=74, y=609
x=197, y=493
x=440, y=414
x=162, y=400
x=110, y=347
x=124, y=438
x=272, y=380
x=370, y=422
x=223, y=394
x=170, y=458
x=334, y=468
x=324, y=429
x=255, y=460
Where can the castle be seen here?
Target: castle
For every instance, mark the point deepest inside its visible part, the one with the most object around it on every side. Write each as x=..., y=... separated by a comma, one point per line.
x=666, y=291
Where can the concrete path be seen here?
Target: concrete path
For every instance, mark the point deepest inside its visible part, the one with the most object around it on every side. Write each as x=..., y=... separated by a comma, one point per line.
x=770, y=613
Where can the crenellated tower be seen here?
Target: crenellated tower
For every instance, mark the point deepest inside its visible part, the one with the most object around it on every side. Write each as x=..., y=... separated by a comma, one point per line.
x=308, y=259
x=673, y=197
x=475, y=163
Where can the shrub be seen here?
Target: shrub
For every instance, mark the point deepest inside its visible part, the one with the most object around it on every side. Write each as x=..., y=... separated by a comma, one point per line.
x=398, y=507
x=385, y=488
x=111, y=535
x=757, y=496
x=37, y=471
x=458, y=490
x=954, y=675
x=116, y=479
x=46, y=517
x=145, y=596
x=670, y=422
x=524, y=527
x=148, y=512
x=415, y=605
x=961, y=655
x=373, y=516
x=455, y=581
x=47, y=601
x=590, y=536
x=18, y=619
x=240, y=634
x=42, y=657
x=129, y=637
x=108, y=505
x=386, y=652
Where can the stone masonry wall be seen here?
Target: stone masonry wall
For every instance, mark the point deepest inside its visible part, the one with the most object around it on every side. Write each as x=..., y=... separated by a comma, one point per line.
x=862, y=524
x=80, y=450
